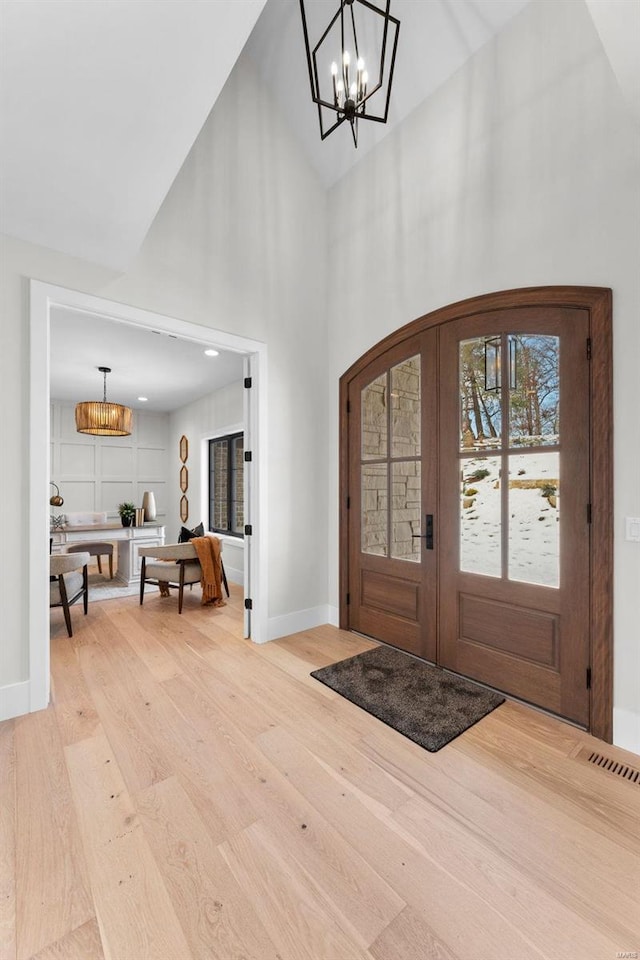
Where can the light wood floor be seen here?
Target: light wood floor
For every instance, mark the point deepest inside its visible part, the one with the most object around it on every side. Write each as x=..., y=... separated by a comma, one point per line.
x=191, y=795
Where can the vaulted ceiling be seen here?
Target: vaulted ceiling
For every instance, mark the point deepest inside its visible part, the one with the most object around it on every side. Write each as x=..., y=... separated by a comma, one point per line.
x=436, y=38
x=100, y=103
x=101, y=100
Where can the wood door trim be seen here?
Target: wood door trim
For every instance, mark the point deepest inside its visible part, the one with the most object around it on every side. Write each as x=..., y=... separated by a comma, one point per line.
x=601, y=586
x=598, y=302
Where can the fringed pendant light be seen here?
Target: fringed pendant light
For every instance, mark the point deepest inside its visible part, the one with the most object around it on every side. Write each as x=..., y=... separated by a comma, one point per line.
x=102, y=419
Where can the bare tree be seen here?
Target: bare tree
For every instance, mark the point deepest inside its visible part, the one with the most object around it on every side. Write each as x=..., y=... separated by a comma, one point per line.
x=475, y=400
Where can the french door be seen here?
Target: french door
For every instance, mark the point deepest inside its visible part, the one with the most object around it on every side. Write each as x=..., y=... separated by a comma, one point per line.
x=393, y=482
x=514, y=495
x=468, y=479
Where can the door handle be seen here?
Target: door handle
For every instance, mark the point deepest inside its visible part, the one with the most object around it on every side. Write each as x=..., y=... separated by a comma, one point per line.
x=427, y=536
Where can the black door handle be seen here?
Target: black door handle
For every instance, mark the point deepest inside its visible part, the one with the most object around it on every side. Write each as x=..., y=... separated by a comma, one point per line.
x=429, y=531
x=428, y=534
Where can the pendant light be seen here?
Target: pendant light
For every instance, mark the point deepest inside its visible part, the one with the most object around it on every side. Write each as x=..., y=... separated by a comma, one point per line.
x=102, y=419
x=345, y=77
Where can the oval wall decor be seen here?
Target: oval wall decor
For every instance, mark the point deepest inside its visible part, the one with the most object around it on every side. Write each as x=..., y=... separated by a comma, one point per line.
x=184, y=479
x=184, y=508
x=184, y=448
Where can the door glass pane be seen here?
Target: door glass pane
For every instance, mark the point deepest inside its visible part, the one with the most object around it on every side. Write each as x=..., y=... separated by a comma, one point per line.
x=534, y=518
x=405, y=510
x=237, y=485
x=374, y=419
x=534, y=400
x=220, y=470
x=480, y=528
x=405, y=408
x=480, y=393
x=375, y=502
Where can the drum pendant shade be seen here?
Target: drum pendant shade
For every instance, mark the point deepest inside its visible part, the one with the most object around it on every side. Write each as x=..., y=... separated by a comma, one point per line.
x=102, y=419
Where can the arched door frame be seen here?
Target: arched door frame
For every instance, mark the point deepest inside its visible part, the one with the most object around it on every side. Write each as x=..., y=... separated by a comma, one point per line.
x=597, y=301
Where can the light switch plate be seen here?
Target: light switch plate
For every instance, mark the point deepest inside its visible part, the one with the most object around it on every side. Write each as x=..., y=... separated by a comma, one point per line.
x=632, y=529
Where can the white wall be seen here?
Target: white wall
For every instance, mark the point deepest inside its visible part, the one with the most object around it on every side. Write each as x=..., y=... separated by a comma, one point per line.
x=522, y=170
x=240, y=245
x=226, y=251
x=218, y=413
x=98, y=473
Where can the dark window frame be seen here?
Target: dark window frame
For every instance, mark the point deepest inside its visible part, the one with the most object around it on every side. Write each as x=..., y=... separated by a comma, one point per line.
x=228, y=439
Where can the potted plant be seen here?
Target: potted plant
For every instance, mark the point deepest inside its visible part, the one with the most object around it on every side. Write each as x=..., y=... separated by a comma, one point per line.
x=127, y=513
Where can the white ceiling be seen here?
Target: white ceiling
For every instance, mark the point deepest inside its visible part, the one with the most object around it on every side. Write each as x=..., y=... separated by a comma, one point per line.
x=100, y=103
x=169, y=371
x=618, y=24
x=101, y=100
x=436, y=37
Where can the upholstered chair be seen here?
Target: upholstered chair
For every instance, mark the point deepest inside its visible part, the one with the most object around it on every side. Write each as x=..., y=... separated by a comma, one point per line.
x=98, y=549
x=173, y=564
x=68, y=582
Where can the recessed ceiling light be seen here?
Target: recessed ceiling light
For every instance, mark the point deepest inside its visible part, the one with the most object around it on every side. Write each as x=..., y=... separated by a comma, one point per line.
x=211, y=353
x=143, y=399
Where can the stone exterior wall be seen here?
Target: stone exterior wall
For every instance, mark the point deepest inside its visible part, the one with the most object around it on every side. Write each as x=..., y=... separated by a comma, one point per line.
x=405, y=510
x=238, y=492
x=403, y=475
x=375, y=504
x=405, y=409
x=221, y=480
x=375, y=419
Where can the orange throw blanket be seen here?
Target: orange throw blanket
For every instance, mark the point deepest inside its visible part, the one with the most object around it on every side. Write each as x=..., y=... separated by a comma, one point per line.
x=208, y=550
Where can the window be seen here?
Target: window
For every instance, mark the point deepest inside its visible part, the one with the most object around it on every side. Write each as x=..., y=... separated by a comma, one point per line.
x=226, y=485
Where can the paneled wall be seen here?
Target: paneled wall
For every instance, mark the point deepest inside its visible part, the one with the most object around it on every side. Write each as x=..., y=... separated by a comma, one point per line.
x=98, y=473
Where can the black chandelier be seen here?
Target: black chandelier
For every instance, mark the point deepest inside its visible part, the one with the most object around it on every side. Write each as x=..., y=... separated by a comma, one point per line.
x=341, y=73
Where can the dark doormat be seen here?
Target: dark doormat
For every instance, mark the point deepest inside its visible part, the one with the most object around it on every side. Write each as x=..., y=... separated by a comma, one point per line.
x=426, y=704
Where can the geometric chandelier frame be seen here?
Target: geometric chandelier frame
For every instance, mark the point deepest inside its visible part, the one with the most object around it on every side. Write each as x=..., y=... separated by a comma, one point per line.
x=340, y=92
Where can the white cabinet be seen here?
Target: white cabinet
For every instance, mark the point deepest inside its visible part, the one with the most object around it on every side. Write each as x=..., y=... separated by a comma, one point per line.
x=126, y=540
x=131, y=560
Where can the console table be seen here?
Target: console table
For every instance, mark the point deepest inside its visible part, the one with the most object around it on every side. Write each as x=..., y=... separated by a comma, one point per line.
x=127, y=540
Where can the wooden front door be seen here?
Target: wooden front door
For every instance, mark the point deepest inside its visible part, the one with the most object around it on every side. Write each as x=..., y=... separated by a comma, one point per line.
x=468, y=485
x=392, y=487
x=514, y=495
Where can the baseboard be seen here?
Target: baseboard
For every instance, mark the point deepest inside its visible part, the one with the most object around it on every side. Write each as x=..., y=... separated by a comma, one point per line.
x=297, y=621
x=626, y=729
x=234, y=575
x=334, y=616
x=15, y=700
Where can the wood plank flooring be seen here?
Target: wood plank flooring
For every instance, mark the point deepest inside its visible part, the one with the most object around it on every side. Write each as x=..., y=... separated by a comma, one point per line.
x=191, y=796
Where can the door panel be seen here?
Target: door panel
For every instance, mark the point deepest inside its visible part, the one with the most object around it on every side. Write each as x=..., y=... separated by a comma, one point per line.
x=514, y=584
x=378, y=591
x=527, y=634
x=392, y=485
